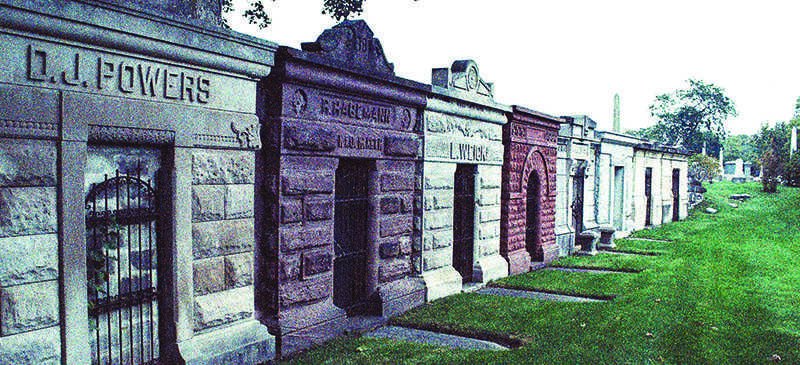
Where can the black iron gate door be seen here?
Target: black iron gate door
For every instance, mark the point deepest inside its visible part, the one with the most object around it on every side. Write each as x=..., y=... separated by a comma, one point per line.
x=350, y=236
x=532, y=223
x=121, y=270
x=464, y=220
x=648, y=195
x=577, y=201
x=676, y=194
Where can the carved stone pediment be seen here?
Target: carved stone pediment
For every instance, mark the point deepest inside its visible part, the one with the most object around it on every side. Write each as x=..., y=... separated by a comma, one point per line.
x=352, y=43
x=463, y=75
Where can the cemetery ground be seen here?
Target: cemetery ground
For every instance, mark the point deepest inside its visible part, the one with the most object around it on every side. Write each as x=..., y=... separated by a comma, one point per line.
x=714, y=289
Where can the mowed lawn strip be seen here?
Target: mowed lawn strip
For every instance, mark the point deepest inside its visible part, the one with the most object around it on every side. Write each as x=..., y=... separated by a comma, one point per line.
x=592, y=285
x=644, y=247
x=728, y=292
x=608, y=261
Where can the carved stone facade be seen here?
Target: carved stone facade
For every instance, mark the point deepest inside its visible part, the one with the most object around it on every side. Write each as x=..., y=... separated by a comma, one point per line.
x=340, y=170
x=90, y=89
x=616, y=174
x=578, y=147
x=660, y=183
x=460, y=227
x=527, y=231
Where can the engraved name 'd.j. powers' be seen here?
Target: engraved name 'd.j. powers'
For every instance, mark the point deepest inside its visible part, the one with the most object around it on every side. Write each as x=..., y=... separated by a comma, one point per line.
x=118, y=75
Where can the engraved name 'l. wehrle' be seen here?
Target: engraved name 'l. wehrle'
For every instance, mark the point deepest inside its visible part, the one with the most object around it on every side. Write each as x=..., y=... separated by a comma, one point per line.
x=123, y=76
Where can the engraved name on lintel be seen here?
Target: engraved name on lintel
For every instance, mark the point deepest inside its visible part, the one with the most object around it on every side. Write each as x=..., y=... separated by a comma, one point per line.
x=352, y=44
x=113, y=74
x=462, y=75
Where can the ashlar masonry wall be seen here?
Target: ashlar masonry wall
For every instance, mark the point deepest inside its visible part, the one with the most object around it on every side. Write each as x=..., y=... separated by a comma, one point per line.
x=461, y=182
x=616, y=181
x=662, y=162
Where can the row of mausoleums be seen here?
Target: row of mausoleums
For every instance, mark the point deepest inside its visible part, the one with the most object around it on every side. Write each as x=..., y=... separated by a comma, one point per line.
x=172, y=190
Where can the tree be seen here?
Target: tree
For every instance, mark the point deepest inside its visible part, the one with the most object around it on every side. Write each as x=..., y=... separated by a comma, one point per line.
x=703, y=167
x=257, y=14
x=791, y=175
x=693, y=115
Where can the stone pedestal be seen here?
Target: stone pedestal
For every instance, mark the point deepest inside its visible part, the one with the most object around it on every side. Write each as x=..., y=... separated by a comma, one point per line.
x=588, y=242
x=606, y=238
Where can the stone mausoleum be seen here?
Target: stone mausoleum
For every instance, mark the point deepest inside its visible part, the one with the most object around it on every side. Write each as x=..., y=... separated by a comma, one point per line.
x=527, y=233
x=660, y=192
x=339, y=171
x=578, y=147
x=615, y=199
x=127, y=170
x=461, y=182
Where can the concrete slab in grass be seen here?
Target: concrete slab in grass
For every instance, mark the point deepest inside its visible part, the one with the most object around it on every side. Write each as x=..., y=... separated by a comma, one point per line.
x=433, y=338
x=529, y=294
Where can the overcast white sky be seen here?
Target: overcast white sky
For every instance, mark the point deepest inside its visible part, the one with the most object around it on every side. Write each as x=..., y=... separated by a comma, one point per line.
x=571, y=56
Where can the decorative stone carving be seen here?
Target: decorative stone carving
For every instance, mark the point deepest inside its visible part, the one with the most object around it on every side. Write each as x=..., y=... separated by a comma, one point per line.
x=247, y=135
x=352, y=43
x=299, y=102
x=111, y=134
x=463, y=75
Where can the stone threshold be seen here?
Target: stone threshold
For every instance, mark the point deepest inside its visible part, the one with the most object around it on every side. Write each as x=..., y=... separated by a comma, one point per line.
x=472, y=287
x=398, y=333
x=538, y=295
x=592, y=271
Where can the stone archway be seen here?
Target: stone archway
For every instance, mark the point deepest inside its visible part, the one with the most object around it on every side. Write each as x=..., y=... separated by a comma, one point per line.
x=536, y=179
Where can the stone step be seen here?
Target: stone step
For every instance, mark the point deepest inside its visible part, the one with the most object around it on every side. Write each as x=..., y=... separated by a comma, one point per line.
x=530, y=294
x=592, y=271
x=434, y=338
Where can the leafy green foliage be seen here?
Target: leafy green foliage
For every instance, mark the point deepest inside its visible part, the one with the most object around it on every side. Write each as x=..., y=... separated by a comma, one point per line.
x=257, y=14
x=740, y=146
x=341, y=9
x=692, y=116
x=703, y=167
x=791, y=175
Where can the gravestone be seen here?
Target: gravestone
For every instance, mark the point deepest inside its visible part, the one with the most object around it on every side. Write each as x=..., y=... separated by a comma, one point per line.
x=527, y=231
x=118, y=117
x=340, y=170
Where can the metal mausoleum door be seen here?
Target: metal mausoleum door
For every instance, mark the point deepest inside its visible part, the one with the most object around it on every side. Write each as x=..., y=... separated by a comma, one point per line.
x=648, y=196
x=350, y=236
x=121, y=260
x=676, y=194
x=464, y=221
x=577, y=202
x=532, y=209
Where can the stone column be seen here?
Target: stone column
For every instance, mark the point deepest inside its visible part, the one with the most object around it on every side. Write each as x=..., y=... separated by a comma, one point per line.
x=373, y=232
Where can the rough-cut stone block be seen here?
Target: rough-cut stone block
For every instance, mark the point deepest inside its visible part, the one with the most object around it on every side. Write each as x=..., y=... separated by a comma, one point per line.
x=239, y=201
x=296, y=239
x=28, y=307
x=395, y=246
x=439, y=182
x=316, y=263
x=437, y=259
x=393, y=269
x=27, y=211
x=434, y=240
x=307, y=183
x=488, y=230
x=209, y=276
x=222, y=237
x=42, y=347
x=489, y=197
x=310, y=139
x=438, y=219
x=397, y=182
x=391, y=205
x=490, y=215
x=223, y=307
x=305, y=291
x=291, y=211
x=490, y=180
x=317, y=210
x=401, y=146
x=396, y=226
x=28, y=259
x=208, y=203
x=25, y=162
x=289, y=267
x=239, y=270
x=223, y=167
x=438, y=200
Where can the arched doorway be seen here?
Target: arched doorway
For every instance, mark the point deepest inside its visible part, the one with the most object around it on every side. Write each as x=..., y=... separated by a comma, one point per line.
x=532, y=211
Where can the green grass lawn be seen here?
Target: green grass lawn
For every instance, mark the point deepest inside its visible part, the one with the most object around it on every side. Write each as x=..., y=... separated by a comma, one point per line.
x=725, y=290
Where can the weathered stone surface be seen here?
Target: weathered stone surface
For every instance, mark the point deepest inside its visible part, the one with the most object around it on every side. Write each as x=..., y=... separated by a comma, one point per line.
x=437, y=259
x=27, y=211
x=490, y=215
x=490, y=180
x=397, y=182
x=438, y=219
x=305, y=291
x=489, y=197
x=400, y=146
x=316, y=263
x=291, y=210
x=396, y=226
x=393, y=269
x=209, y=276
x=439, y=182
x=391, y=205
x=307, y=183
x=25, y=162
x=296, y=239
x=310, y=139
x=223, y=167
x=239, y=270
x=438, y=239
x=28, y=259
x=438, y=200
x=488, y=230
x=317, y=210
x=28, y=307
x=42, y=347
x=208, y=203
x=223, y=307
x=219, y=238
x=239, y=201
x=289, y=267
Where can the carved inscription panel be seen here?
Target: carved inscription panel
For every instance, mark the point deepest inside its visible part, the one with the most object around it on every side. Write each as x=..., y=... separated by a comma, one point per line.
x=51, y=65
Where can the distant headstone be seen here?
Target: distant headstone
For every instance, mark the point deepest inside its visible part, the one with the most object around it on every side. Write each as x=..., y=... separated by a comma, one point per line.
x=711, y=211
